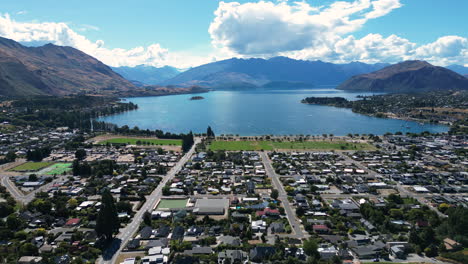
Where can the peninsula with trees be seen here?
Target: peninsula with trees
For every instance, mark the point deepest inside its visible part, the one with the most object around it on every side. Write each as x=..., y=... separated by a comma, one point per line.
x=446, y=107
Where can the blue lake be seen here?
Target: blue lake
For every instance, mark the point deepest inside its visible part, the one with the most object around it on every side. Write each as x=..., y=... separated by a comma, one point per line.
x=259, y=112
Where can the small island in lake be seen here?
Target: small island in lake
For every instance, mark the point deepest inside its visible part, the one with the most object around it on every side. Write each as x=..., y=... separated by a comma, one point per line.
x=197, y=98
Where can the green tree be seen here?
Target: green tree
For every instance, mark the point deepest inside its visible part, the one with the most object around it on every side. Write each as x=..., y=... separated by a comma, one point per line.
x=187, y=141
x=210, y=133
x=166, y=191
x=13, y=222
x=10, y=156
x=274, y=194
x=72, y=203
x=427, y=236
x=431, y=251
x=28, y=249
x=300, y=211
x=32, y=177
x=311, y=248
x=147, y=218
x=5, y=209
x=80, y=154
x=107, y=220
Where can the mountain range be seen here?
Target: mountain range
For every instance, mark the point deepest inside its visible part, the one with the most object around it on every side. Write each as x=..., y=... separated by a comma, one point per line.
x=255, y=73
x=146, y=75
x=407, y=76
x=237, y=73
x=56, y=70
x=458, y=69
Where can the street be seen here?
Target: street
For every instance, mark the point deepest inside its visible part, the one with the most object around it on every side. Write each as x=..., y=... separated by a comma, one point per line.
x=127, y=232
x=296, y=226
x=26, y=198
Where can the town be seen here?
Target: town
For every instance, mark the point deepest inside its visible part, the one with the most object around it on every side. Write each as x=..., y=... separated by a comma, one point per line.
x=69, y=196
x=234, y=132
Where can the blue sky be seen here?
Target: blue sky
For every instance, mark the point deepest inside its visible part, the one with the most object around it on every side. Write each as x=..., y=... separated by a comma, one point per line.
x=178, y=30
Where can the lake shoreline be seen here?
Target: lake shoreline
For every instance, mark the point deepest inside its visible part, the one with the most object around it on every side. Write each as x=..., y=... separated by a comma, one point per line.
x=388, y=115
x=255, y=113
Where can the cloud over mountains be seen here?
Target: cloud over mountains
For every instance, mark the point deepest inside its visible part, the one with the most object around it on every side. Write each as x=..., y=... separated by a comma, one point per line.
x=302, y=31
x=61, y=34
x=264, y=29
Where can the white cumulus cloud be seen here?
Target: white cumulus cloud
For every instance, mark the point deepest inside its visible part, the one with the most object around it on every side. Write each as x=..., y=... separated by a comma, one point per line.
x=61, y=34
x=303, y=31
x=265, y=27
x=447, y=50
x=372, y=48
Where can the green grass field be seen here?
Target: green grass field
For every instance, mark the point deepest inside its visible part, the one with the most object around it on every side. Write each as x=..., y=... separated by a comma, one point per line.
x=306, y=145
x=151, y=141
x=169, y=204
x=59, y=168
x=31, y=166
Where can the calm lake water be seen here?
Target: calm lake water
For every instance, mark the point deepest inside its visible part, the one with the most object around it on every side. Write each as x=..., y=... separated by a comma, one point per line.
x=263, y=112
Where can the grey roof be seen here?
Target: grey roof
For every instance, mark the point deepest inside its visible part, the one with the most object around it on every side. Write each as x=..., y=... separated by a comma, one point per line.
x=199, y=250
x=163, y=242
x=230, y=240
x=233, y=254
x=208, y=206
x=146, y=232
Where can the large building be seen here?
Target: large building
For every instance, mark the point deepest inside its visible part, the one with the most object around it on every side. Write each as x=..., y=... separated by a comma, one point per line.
x=211, y=206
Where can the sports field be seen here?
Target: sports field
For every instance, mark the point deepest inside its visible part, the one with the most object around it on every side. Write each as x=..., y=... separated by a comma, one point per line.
x=31, y=166
x=288, y=145
x=143, y=141
x=59, y=168
x=172, y=204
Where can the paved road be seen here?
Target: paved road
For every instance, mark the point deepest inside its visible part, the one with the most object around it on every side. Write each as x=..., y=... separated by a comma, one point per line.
x=26, y=198
x=283, y=197
x=127, y=232
x=10, y=186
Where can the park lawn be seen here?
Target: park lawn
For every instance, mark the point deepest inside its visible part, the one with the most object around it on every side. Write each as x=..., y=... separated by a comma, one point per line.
x=59, y=168
x=152, y=141
x=322, y=145
x=31, y=166
x=239, y=145
x=305, y=145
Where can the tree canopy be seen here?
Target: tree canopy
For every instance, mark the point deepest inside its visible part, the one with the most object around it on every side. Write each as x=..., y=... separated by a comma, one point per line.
x=107, y=221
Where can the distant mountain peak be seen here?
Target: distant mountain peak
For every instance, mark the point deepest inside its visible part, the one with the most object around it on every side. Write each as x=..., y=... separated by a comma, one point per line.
x=146, y=74
x=276, y=70
x=407, y=76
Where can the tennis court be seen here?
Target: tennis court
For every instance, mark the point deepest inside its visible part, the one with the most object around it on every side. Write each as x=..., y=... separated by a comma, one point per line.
x=172, y=204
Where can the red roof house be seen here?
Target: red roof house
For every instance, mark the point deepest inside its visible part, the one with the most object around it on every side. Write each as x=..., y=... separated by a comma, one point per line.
x=73, y=222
